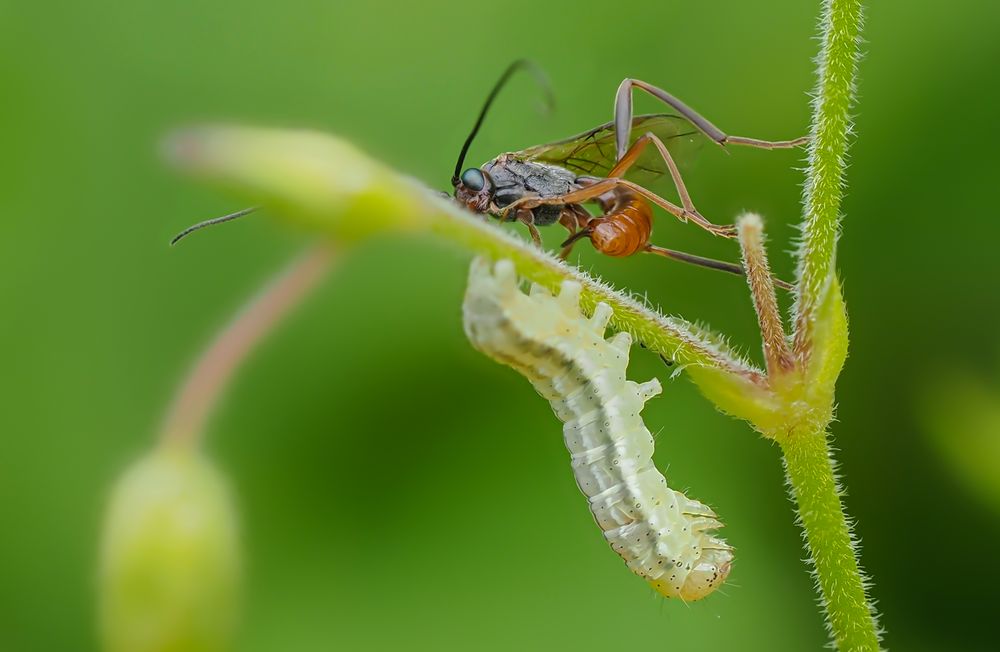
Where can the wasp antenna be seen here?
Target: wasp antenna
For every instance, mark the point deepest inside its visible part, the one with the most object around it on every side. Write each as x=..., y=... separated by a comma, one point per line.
x=543, y=81
x=212, y=222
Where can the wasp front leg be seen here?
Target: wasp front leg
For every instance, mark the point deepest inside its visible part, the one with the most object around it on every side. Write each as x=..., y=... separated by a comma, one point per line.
x=527, y=218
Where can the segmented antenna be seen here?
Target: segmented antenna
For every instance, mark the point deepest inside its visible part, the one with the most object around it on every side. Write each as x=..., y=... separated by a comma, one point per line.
x=212, y=222
x=511, y=69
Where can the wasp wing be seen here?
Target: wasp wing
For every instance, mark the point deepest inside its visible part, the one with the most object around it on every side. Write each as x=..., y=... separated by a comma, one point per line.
x=592, y=153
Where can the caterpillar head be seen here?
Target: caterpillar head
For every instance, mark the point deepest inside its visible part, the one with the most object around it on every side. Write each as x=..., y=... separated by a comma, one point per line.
x=709, y=572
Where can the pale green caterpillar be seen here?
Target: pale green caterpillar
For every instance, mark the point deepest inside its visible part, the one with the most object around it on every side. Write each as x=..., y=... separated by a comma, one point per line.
x=663, y=536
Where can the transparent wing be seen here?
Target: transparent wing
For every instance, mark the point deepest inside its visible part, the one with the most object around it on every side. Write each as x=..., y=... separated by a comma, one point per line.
x=593, y=152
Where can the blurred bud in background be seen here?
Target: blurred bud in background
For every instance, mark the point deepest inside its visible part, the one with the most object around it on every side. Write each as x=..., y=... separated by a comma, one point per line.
x=962, y=417
x=169, y=567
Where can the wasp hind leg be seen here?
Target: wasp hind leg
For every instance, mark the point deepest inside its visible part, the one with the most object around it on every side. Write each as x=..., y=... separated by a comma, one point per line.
x=710, y=263
x=623, y=120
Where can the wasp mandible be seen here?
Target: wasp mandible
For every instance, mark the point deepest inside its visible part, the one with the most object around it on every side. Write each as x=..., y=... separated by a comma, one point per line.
x=545, y=184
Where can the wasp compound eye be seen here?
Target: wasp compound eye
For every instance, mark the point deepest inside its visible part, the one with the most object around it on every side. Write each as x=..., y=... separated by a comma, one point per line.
x=473, y=179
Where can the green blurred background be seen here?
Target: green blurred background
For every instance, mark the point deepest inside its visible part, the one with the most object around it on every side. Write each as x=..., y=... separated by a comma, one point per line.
x=398, y=490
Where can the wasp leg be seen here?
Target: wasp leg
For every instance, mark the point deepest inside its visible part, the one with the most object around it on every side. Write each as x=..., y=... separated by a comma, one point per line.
x=601, y=186
x=527, y=218
x=632, y=155
x=623, y=120
x=711, y=263
x=575, y=219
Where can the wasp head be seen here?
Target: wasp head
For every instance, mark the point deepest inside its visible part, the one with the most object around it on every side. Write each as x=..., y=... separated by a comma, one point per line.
x=474, y=189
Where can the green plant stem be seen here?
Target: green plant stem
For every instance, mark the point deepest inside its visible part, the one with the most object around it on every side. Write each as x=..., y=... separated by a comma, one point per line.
x=820, y=337
x=824, y=185
x=811, y=473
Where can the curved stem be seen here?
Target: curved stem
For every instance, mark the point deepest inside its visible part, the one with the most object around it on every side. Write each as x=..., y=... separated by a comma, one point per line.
x=670, y=336
x=811, y=474
x=201, y=389
x=332, y=188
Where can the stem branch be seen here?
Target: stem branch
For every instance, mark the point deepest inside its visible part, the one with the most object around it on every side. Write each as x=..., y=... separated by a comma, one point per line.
x=750, y=230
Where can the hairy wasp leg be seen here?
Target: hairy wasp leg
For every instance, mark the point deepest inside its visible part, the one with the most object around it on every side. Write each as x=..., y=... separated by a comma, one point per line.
x=623, y=120
x=601, y=186
x=710, y=263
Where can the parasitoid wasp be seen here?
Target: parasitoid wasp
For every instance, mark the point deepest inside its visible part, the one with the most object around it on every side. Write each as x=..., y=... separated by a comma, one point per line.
x=606, y=166
x=546, y=184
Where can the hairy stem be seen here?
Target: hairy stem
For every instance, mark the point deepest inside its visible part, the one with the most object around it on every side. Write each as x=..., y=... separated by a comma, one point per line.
x=200, y=391
x=820, y=337
x=824, y=185
x=811, y=473
x=750, y=230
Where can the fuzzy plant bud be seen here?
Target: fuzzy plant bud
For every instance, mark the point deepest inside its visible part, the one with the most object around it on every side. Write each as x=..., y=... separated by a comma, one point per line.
x=169, y=558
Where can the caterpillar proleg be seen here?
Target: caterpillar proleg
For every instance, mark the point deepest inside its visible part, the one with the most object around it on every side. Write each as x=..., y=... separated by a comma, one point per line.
x=663, y=536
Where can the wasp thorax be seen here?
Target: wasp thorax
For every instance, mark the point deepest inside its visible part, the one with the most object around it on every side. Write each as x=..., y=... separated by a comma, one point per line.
x=475, y=190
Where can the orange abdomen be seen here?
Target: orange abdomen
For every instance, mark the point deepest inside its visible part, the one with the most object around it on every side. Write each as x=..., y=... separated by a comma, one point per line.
x=626, y=226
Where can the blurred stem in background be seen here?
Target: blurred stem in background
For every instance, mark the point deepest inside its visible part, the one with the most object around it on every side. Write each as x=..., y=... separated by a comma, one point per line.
x=327, y=185
x=210, y=376
x=170, y=554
